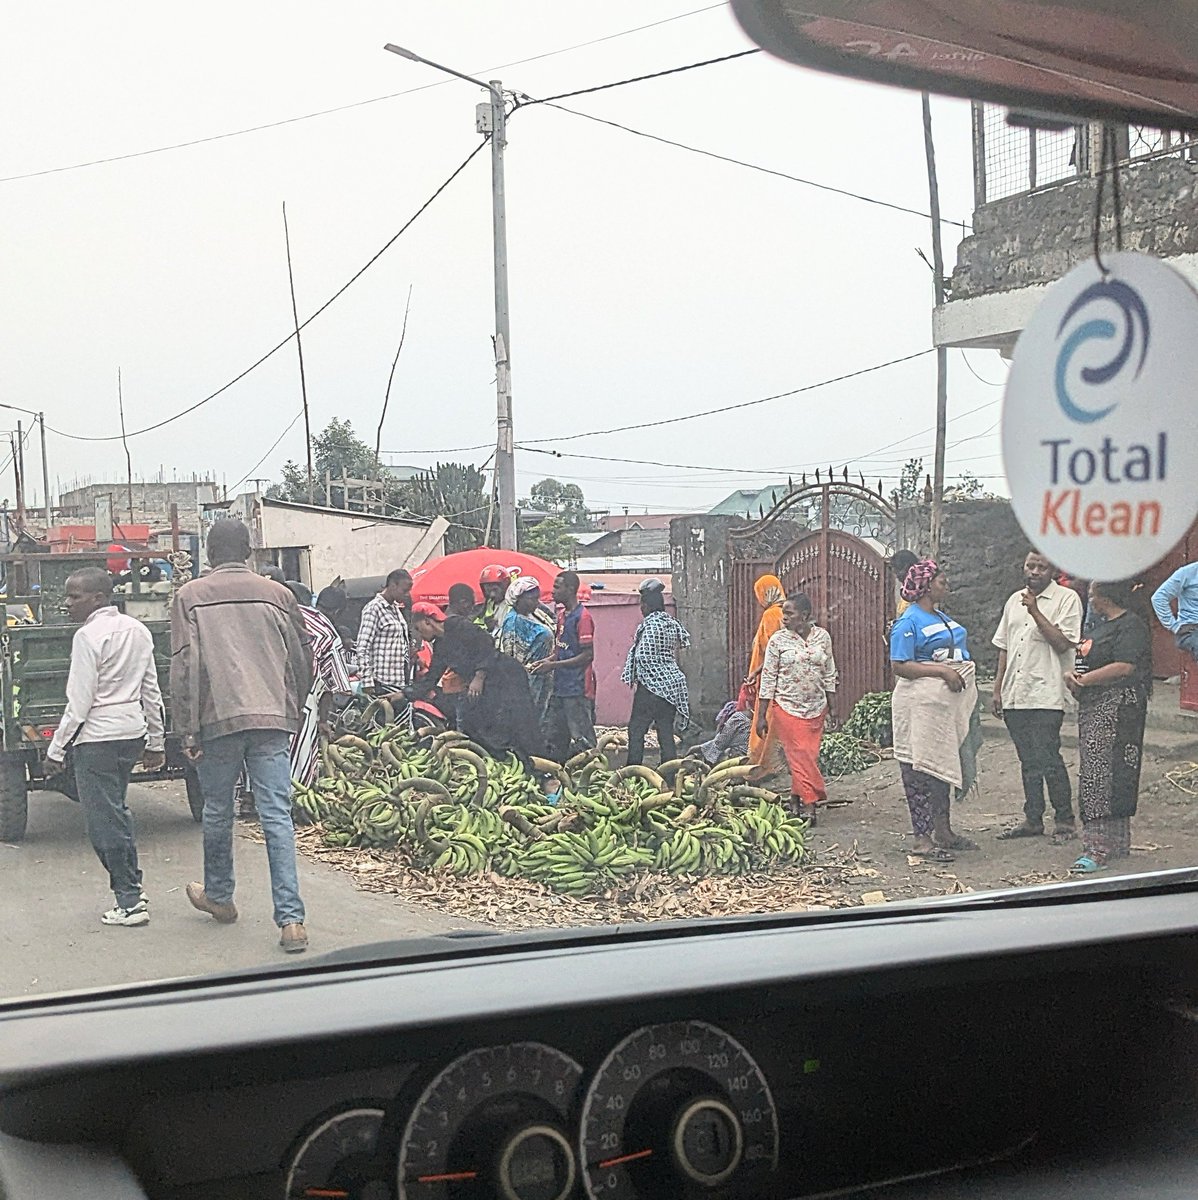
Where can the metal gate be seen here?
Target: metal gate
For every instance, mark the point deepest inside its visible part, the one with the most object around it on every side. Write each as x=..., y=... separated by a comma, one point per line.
x=845, y=576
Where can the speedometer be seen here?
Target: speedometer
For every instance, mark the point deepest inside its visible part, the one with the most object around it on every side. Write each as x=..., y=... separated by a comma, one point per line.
x=337, y=1158
x=677, y=1109
x=494, y=1123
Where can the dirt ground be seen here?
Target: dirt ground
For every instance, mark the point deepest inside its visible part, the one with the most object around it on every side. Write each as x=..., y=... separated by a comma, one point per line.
x=874, y=829
x=859, y=851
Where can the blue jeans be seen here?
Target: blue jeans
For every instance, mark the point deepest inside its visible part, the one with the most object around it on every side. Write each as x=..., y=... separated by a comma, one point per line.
x=1188, y=642
x=266, y=754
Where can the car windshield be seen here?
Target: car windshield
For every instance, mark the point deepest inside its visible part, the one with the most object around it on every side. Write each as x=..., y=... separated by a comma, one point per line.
x=540, y=467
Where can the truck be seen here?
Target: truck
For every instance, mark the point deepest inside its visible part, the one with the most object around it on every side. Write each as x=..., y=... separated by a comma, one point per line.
x=34, y=662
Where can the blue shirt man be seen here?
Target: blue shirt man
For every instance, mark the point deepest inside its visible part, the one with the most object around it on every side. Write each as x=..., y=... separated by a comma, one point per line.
x=1180, y=590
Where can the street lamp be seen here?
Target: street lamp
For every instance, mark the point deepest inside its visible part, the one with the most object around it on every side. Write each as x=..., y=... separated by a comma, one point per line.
x=492, y=119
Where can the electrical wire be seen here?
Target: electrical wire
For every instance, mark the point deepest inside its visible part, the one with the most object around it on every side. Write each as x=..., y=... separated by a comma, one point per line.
x=603, y=87
x=340, y=108
x=303, y=325
x=979, y=378
x=710, y=412
x=290, y=425
x=740, y=162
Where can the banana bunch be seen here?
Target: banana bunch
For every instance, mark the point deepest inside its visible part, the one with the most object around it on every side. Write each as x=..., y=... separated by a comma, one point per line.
x=575, y=863
x=453, y=808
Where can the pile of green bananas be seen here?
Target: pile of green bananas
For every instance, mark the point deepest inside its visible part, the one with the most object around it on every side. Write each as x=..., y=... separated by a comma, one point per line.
x=870, y=720
x=581, y=827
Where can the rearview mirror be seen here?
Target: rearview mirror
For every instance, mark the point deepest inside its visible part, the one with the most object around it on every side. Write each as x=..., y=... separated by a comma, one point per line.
x=1094, y=59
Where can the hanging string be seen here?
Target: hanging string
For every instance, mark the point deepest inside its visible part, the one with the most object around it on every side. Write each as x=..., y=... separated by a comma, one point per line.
x=1108, y=161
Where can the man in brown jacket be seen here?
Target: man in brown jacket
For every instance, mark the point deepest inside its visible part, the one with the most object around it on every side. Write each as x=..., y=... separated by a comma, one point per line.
x=240, y=670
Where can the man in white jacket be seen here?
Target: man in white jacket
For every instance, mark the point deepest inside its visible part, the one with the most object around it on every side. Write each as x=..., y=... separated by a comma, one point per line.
x=113, y=718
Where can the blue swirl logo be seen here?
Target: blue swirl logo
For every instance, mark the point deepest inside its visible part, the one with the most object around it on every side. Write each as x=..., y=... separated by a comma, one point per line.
x=1135, y=331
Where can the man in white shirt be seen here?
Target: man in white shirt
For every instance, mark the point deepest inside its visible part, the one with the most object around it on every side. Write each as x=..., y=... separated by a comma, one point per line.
x=113, y=718
x=1036, y=639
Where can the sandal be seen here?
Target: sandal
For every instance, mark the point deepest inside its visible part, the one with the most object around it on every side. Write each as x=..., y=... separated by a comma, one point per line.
x=1021, y=831
x=1086, y=866
x=1064, y=833
x=937, y=854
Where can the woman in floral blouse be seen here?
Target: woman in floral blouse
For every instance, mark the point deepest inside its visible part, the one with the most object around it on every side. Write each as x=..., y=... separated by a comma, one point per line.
x=798, y=680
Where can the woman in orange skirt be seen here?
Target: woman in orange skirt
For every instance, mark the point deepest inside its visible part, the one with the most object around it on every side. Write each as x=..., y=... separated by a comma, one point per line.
x=763, y=750
x=798, y=680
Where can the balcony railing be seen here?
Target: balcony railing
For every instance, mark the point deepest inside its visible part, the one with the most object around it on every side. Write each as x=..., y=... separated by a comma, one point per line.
x=1009, y=160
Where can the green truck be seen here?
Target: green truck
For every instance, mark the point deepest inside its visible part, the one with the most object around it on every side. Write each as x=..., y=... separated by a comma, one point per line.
x=35, y=657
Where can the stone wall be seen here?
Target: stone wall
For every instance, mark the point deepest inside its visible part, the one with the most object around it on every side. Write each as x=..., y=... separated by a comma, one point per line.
x=1037, y=238
x=151, y=501
x=700, y=562
x=982, y=550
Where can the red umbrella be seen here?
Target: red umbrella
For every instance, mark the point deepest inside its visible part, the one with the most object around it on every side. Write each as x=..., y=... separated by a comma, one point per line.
x=433, y=580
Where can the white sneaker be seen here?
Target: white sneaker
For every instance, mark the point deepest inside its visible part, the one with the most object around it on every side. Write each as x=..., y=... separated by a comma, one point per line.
x=139, y=914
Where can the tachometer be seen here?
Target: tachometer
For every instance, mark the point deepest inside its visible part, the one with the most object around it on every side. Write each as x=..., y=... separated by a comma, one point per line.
x=338, y=1159
x=494, y=1123
x=677, y=1109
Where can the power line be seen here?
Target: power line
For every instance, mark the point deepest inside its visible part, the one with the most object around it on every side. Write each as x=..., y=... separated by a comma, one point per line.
x=710, y=412
x=250, y=472
x=739, y=162
x=603, y=87
x=979, y=378
x=325, y=112
x=303, y=325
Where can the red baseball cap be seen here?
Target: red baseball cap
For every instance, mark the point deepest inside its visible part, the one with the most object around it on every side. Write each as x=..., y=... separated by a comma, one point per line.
x=425, y=608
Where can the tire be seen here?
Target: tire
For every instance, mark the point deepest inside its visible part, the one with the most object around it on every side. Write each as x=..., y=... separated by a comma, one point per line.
x=195, y=795
x=14, y=798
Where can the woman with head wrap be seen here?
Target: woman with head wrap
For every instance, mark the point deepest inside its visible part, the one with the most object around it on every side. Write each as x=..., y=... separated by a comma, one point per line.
x=934, y=706
x=769, y=593
x=527, y=639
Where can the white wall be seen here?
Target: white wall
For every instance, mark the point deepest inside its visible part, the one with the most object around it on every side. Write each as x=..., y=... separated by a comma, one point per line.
x=351, y=545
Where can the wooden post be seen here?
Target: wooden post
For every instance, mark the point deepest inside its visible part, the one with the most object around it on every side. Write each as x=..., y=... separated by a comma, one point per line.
x=174, y=528
x=299, y=346
x=941, y=351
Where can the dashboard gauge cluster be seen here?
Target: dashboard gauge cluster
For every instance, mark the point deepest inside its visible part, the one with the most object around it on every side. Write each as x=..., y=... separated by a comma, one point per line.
x=678, y=1109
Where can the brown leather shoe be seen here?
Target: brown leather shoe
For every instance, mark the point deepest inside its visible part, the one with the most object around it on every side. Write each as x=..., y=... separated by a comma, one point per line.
x=294, y=938
x=226, y=914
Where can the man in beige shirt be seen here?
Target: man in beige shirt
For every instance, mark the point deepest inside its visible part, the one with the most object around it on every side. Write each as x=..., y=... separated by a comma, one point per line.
x=1036, y=640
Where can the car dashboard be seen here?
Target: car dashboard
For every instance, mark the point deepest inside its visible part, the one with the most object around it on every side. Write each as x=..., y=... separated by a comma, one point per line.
x=973, y=1049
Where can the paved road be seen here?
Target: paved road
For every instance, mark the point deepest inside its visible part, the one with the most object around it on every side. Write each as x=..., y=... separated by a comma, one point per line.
x=53, y=889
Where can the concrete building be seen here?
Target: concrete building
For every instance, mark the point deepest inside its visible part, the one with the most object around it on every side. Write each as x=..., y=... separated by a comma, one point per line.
x=152, y=502
x=1034, y=202
x=315, y=544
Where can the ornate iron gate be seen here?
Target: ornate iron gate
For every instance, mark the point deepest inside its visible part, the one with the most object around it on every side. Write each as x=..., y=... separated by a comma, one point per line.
x=844, y=574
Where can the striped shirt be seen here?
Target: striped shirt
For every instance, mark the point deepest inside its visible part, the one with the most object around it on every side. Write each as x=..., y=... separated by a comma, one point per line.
x=328, y=657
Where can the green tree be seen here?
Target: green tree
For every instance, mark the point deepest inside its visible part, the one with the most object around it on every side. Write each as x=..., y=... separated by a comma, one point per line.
x=337, y=450
x=563, y=500
x=910, y=480
x=459, y=493
x=551, y=539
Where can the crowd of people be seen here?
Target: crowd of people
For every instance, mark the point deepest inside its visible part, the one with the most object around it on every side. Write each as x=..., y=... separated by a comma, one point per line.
x=259, y=664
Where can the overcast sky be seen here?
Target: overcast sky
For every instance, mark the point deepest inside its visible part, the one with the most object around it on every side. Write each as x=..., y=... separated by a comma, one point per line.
x=646, y=282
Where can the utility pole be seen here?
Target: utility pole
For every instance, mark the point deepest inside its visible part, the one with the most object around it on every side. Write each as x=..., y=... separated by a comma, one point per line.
x=491, y=118
x=299, y=347
x=120, y=399
x=41, y=421
x=18, y=466
x=941, y=351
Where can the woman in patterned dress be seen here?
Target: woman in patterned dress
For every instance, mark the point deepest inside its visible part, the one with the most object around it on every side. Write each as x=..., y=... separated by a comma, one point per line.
x=661, y=697
x=763, y=751
x=329, y=676
x=1112, y=682
x=798, y=680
